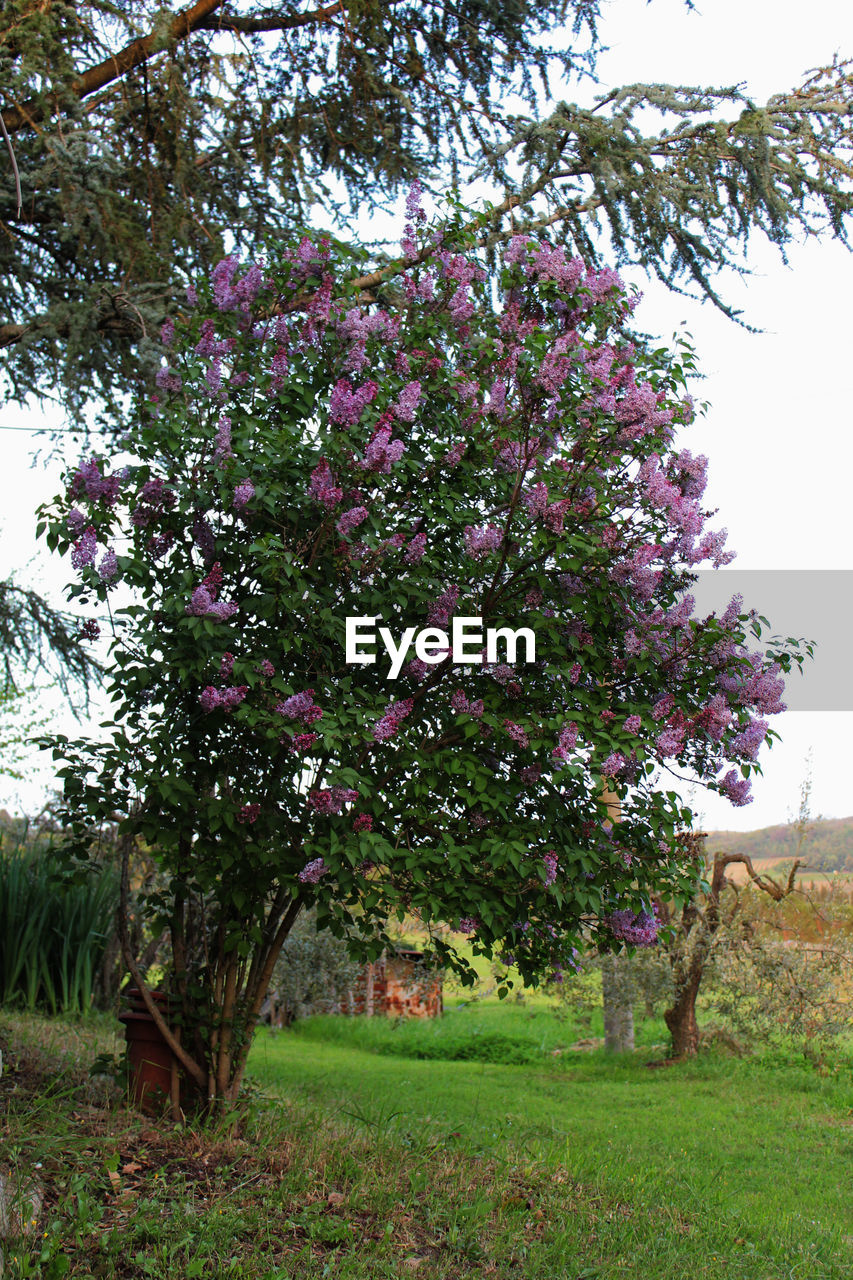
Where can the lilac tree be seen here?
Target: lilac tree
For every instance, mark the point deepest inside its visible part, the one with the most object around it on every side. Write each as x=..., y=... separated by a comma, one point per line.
x=457, y=445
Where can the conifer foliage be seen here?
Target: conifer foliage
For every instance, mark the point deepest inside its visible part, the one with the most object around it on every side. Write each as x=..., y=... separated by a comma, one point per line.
x=145, y=134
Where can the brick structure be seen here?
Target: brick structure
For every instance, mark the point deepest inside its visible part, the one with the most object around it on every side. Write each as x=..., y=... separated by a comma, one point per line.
x=397, y=985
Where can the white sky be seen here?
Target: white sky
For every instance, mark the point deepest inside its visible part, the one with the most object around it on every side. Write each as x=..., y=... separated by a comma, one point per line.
x=779, y=430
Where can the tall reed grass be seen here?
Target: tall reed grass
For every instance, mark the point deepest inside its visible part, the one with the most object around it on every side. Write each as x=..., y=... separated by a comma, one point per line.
x=53, y=929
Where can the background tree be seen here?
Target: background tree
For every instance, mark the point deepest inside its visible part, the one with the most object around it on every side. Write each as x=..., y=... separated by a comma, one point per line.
x=503, y=455
x=709, y=916
x=143, y=132
x=37, y=638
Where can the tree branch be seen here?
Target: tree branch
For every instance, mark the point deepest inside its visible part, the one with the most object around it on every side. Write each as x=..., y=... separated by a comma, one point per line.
x=272, y=21
x=118, y=64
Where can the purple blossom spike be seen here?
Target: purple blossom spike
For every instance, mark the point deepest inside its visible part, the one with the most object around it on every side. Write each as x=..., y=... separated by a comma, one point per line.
x=85, y=549
x=108, y=567
x=313, y=871
x=638, y=929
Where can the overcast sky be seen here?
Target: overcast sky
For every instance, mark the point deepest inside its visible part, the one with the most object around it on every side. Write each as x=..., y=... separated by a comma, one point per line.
x=778, y=433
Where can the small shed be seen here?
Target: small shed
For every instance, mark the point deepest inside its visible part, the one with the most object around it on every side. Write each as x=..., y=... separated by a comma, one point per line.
x=399, y=985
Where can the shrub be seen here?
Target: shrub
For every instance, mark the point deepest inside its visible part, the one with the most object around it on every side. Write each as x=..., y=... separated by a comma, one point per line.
x=54, y=928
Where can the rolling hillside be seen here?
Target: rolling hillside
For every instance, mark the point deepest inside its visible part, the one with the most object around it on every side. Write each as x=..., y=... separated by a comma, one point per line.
x=827, y=846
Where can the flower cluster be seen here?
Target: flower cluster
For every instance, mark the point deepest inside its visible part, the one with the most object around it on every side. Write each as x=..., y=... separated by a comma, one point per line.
x=638, y=929
x=313, y=871
x=203, y=602
x=213, y=699
x=326, y=800
x=300, y=706
x=394, y=715
x=551, y=866
x=480, y=542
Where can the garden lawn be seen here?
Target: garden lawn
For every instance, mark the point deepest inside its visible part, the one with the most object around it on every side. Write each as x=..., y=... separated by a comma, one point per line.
x=360, y=1162
x=726, y=1166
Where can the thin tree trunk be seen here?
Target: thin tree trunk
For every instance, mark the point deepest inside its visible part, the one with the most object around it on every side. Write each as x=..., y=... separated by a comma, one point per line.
x=617, y=997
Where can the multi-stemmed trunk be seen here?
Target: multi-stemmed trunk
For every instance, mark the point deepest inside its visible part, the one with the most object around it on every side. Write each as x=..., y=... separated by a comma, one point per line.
x=217, y=993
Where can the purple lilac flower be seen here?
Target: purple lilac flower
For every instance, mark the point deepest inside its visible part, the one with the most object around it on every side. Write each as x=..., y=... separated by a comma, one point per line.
x=613, y=765
x=213, y=376
x=736, y=788
x=322, y=486
x=167, y=379
x=203, y=538
x=469, y=924
x=459, y=702
x=330, y=800
x=383, y=452
x=454, y=456
x=210, y=698
x=97, y=487
x=302, y=742
x=639, y=929
x=108, y=568
x=516, y=732
x=395, y=713
x=243, y=495
x=551, y=866
x=415, y=550
x=76, y=522
x=89, y=630
x=670, y=742
x=313, y=871
x=249, y=813
x=441, y=610
x=85, y=549
x=633, y=724
x=749, y=740
x=481, y=542
x=221, y=277
x=346, y=405
x=536, y=499
x=154, y=501
x=222, y=440
x=363, y=822
x=167, y=333
x=300, y=706
x=203, y=605
x=407, y=402
x=350, y=520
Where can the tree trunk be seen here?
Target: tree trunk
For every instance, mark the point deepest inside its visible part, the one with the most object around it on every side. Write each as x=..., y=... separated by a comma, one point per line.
x=618, y=999
x=681, y=1020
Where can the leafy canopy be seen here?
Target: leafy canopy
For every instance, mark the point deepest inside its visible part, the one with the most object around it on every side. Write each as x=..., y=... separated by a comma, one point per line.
x=499, y=448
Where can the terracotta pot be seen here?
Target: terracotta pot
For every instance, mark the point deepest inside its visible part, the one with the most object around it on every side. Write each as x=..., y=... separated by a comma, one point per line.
x=150, y=1059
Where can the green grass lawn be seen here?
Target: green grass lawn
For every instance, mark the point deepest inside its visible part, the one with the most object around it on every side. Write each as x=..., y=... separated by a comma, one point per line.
x=729, y=1167
x=474, y=1147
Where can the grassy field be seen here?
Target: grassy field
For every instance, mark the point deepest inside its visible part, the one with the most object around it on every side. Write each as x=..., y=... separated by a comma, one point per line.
x=483, y=1145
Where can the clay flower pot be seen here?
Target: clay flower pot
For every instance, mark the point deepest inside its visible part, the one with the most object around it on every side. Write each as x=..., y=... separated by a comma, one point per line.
x=150, y=1059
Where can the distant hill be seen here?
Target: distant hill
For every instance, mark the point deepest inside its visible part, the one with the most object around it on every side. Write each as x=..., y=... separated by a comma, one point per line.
x=828, y=844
